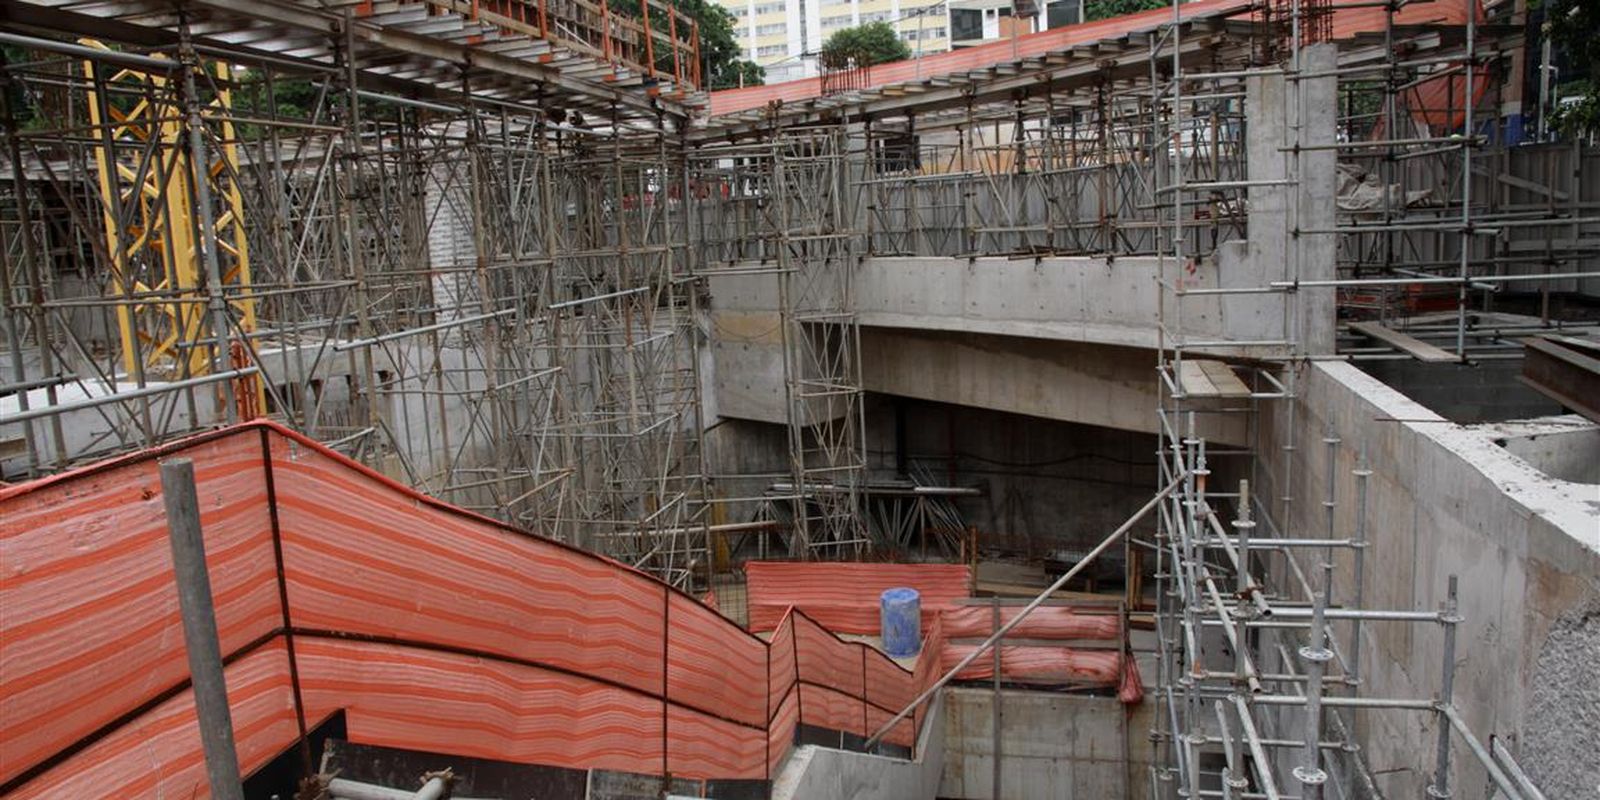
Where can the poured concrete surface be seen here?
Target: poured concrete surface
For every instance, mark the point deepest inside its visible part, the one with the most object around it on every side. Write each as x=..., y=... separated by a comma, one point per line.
x=821, y=773
x=1565, y=447
x=1062, y=746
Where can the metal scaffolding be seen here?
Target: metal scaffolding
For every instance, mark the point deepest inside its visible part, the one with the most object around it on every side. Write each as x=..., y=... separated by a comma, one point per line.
x=469, y=244
x=476, y=284
x=1259, y=656
x=784, y=208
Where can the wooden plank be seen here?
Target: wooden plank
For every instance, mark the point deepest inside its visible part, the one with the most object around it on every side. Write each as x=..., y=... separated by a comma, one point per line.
x=1201, y=377
x=1223, y=377
x=1194, y=381
x=1410, y=345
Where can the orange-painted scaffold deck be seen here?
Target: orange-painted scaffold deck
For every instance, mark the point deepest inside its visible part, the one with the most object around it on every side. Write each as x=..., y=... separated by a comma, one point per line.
x=431, y=628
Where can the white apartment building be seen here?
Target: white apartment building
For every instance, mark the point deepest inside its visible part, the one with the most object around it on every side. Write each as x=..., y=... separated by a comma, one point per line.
x=976, y=21
x=784, y=35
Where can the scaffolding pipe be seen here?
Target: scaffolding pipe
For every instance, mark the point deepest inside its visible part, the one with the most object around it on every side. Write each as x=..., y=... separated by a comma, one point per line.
x=1507, y=762
x=132, y=394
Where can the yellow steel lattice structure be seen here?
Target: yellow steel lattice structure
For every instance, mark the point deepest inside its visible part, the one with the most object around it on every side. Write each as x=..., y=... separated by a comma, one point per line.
x=154, y=223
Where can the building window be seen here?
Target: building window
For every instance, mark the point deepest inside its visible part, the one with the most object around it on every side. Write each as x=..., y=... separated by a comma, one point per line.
x=1063, y=13
x=841, y=21
x=769, y=30
x=769, y=8
x=966, y=24
x=877, y=16
x=772, y=50
x=787, y=72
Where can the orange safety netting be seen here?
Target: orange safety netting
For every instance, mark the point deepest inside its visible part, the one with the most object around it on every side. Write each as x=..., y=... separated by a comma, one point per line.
x=431, y=628
x=844, y=596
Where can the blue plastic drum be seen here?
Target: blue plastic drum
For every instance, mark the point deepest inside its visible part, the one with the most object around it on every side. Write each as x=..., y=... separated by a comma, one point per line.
x=900, y=620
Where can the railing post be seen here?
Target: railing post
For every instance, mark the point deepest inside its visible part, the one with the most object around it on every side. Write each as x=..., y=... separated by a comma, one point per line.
x=649, y=39
x=696, y=37
x=677, y=53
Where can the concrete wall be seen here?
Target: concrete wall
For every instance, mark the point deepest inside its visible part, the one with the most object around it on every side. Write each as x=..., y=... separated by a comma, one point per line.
x=1447, y=500
x=1061, y=746
x=1565, y=447
x=820, y=773
x=1030, y=309
x=1071, y=299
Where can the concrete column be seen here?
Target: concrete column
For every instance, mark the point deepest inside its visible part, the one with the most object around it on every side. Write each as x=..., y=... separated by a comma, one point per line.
x=1282, y=114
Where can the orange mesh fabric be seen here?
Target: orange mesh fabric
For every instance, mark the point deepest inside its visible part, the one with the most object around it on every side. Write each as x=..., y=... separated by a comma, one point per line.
x=844, y=596
x=90, y=630
x=1046, y=622
x=433, y=629
x=1039, y=664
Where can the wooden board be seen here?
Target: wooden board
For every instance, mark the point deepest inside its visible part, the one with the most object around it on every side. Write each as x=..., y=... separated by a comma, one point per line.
x=1206, y=378
x=1410, y=345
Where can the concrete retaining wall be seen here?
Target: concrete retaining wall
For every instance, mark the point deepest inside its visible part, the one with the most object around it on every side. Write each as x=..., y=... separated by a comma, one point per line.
x=1446, y=500
x=820, y=773
x=1068, y=747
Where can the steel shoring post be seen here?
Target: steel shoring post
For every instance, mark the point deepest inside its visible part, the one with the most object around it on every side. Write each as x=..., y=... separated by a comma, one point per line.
x=205, y=239
x=1353, y=669
x=1439, y=787
x=1190, y=557
x=350, y=220
x=800, y=539
x=1466, y=192
x=7, y=316
x=207, y=681
x=1309, y=771
x=35, y=279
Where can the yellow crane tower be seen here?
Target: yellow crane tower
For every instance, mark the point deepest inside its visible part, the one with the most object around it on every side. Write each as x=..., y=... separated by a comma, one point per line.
x=149, y=198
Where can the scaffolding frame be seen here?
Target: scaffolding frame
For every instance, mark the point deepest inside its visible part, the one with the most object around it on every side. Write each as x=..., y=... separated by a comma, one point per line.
x=485, y=297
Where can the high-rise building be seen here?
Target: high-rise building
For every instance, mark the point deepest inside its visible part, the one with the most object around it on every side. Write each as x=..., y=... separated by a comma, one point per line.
x=784, y=36
x=977, y=21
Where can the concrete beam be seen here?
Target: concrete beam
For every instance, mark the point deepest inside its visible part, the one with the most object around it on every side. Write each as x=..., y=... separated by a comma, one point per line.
x=1091, y=384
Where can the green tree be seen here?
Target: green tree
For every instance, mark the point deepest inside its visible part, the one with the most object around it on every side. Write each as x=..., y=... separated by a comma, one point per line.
x=864, y=45
x=1106, y=9
x=1571, y=26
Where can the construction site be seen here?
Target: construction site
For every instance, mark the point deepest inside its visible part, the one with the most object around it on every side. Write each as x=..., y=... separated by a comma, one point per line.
x=461, y=399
